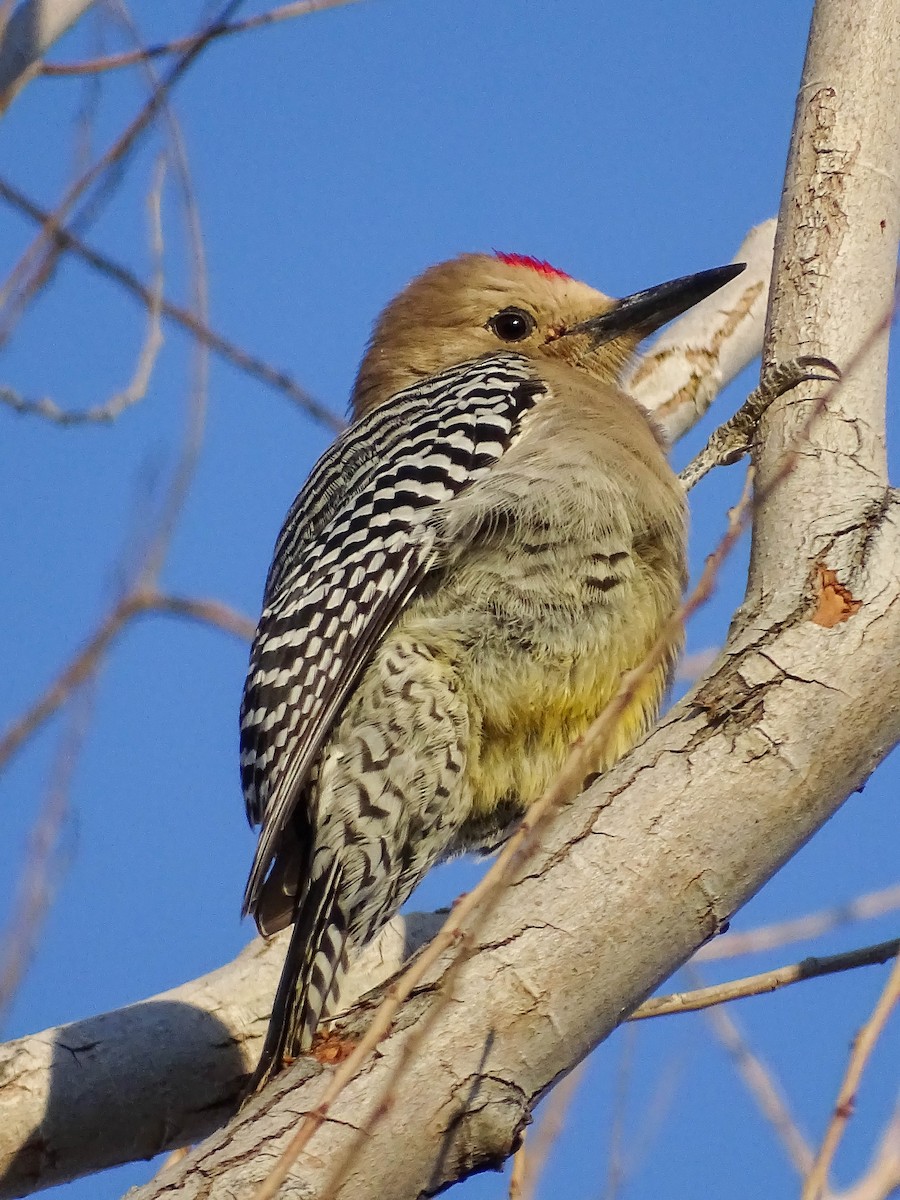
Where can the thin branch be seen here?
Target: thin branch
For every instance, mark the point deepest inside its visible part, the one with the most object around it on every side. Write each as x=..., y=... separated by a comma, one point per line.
x=517, y=1173
x=137, y=388
x=816, y=1181
x=33, y=268
x=882, y=1177
x=85, y=122
x=652, y=1117
x=85, y=664
x=799, y=929
x=692, y=667
x=36, y=886
x=244, y=361
x=615, y=1155
x=532, y=1156
x=763, y=1087
x=89, y=659
x=192, y=442
x=767, y=981
x=206, y=612
x=111, y=62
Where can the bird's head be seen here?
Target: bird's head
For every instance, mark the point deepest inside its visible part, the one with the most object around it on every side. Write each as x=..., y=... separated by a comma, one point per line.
x=480, y=304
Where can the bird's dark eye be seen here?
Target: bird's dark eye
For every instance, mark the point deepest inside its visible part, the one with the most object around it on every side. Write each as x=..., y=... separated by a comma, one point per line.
x=511, y=324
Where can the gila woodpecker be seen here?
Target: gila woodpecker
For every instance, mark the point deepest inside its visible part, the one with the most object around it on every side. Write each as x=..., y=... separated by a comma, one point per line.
x=454, y=597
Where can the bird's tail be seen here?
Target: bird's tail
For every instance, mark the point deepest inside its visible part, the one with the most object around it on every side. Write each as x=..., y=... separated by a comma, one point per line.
x=315, y=962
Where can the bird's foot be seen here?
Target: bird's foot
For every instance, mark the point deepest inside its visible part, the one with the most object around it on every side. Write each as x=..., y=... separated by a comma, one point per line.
x=735, y=438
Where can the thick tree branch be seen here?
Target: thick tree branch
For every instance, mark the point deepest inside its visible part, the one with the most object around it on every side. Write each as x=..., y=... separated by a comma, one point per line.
x=835, y=270
x=158, y=1074
x=194, y=1046
x=689, y=364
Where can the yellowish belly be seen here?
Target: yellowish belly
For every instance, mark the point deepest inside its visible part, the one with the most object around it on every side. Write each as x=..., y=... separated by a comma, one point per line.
x=527, y=717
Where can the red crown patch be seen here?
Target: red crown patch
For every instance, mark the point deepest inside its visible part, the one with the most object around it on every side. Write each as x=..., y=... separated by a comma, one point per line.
x=533, y=264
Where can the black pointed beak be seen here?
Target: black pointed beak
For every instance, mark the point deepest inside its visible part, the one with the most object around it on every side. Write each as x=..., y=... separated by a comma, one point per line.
x=644, y=312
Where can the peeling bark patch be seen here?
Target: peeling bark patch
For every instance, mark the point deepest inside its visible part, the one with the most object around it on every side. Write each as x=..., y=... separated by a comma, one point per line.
x=834, y=603
x=332, y=1047
x=700, y=359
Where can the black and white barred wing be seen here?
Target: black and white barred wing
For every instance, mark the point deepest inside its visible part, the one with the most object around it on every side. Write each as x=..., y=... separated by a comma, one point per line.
x=358, y=542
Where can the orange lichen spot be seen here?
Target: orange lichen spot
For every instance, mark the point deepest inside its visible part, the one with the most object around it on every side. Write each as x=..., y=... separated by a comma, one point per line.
x=835, y=603
x=331, y=1047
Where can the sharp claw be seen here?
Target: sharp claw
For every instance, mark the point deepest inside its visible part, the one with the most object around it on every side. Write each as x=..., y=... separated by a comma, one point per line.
x=816, y=360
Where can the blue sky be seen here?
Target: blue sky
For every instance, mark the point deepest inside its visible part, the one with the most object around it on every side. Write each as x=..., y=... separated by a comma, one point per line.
x=333, y=158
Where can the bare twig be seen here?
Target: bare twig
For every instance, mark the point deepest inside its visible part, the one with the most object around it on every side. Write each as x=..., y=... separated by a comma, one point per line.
x=6, y=7
x=532, y=1158
x=767, y=981
x=37, y=884
x=206, y=612
x=882, y=1177
x=78, y=671
x=763, y=1087
x=86, y=115
x=652, y=1117
x=692, y=667
x=111, y=62
x=137, y=388
x=615, y=1157
x=34, y=266
x=680, y=375
x=89, y=659
x=183, y=475
x=252, y=365
x=517, y=1174
x=770, y=937
x=816, y=1181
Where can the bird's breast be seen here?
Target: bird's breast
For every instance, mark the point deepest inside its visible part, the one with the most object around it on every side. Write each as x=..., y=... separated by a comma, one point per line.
x=566, y=561
x=540, y=637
